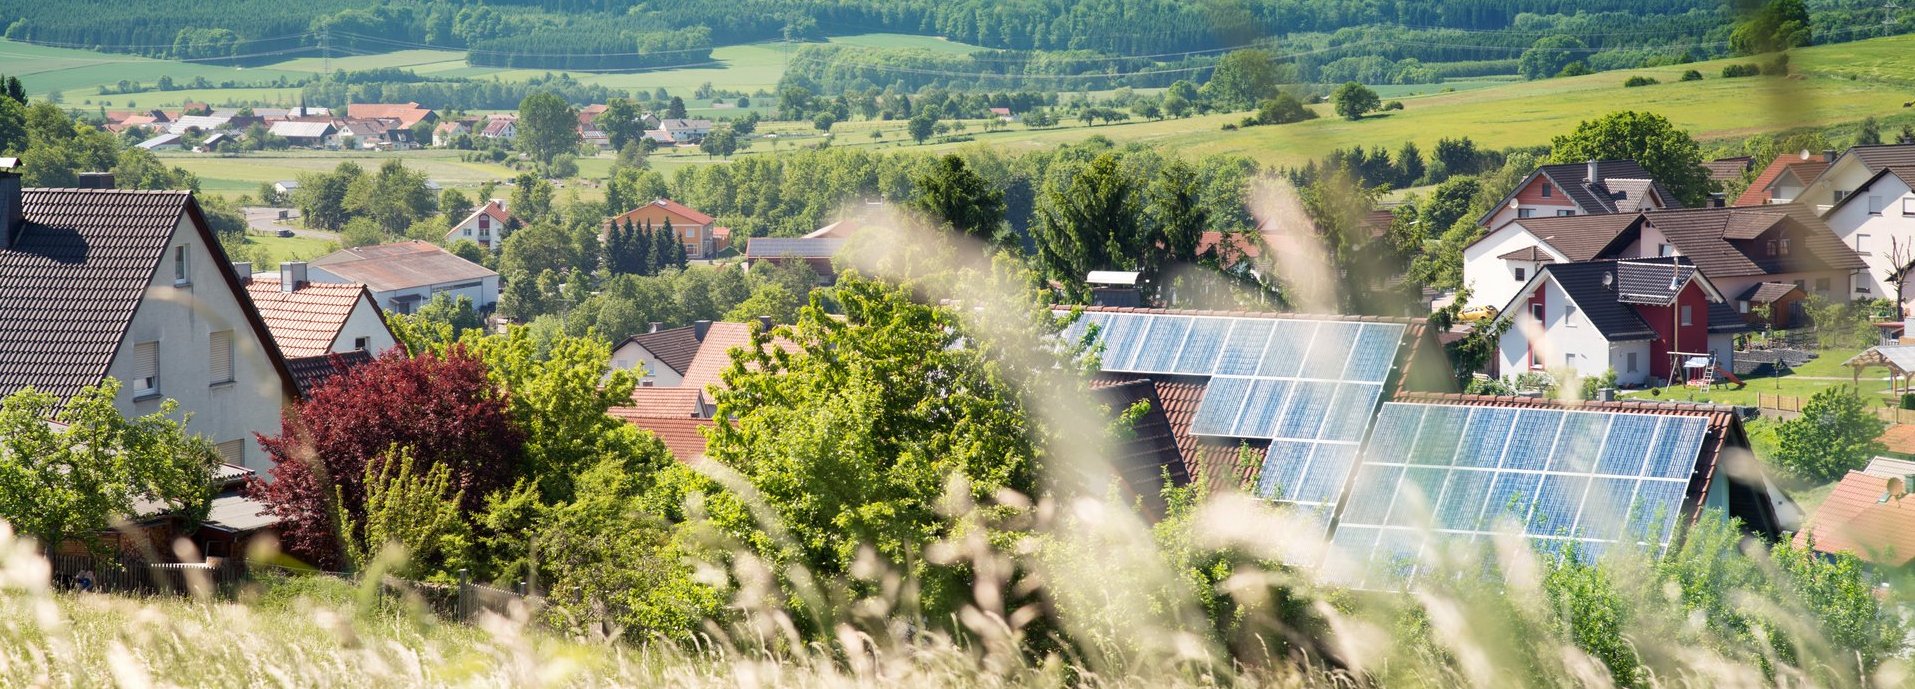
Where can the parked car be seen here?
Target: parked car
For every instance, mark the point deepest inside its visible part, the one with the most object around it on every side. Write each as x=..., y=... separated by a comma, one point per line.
x=285, y=233
x=1478, y=313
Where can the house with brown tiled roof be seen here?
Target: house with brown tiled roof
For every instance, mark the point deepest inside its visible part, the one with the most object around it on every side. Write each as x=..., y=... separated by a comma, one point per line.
x=133, y=285
x=694, y=229
x=1729, y=169
x=1852, y=169
x=321, y=328
x=401, y=114
x=1737, y=248
x=486, y=226
x=1589, y=188
x=1785, y=178
x=1869, y=515
x=405, y=275
x=1876, y=218
x=689, y=357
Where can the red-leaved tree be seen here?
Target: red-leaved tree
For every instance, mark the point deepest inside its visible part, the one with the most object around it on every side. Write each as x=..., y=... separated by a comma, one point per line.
x=442, y=408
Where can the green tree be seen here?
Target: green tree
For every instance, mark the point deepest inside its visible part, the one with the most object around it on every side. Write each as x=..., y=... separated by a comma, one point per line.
x=1243, y=78
x=1090, y=220
x=1549, y=55
x=769, y=299
x=1835, y=434
x=74, y=479
x=1283, y=109
x=1176, y=209
x=1870, y=132
x=414, y=509
x=1669, y=154
x=547, y=126
x=531, y=200
x=922, y=125
x=623, y=122
x=722, y=141
x=455, y=205
x=360, y=232
x=676, y=109
x=1353, y=99
x=1775, y=25
x=957, y=197
x=393, y=197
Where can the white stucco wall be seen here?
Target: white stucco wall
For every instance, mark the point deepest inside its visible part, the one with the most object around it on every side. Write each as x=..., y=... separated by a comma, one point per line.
x=1561, y=340
x=1876, y=236
x=630, y=356
x=1491, y=280
x=364, y=322
x=182, y=320
x=1845, y=175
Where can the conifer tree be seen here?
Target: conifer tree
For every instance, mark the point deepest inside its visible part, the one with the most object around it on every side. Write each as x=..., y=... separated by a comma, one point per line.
x=647, y=255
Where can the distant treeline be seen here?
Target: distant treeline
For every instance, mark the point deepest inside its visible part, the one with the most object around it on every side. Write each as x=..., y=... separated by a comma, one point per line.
x=836, y=68
x=383, y=86
x=588, y=49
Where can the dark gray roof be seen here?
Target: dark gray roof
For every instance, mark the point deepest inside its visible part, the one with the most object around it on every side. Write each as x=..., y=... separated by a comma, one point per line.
x=1583, y=282
x=74, y=274
x=1726, y=169
x=1724, y=242
x=773, y=247
x=1150, y=451
x=1723, y=318
x=1655, y=284
x=1584, y=237
x=1623, y=187
x=1766, y=292
x=310, y=372
x=1885, y=155
x=674, y=348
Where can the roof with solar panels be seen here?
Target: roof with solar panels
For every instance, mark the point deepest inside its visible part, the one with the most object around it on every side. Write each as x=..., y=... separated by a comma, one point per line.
x=1351, y=421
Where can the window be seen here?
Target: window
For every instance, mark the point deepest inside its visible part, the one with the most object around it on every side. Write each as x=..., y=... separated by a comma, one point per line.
x=1686, y=320
x=1565, y=212
x=146, y=369
x=1569, y=359
x=1665, y=250
x=179, y=266
x=1521, y=274
x=232, y=452
x=220, y=363
x=361, y=343
x=1569, y=315
x=1548, y=190
x=1536, y=311
x=1771, y=247
x=1801, y=285
x=1908, y=206
x=1632, y=362
x=1784, y=243
x=1841, y=194
x=1861, y=242
x=1742, y=307
x=1876, y=204
x=1525, y=212
x=1821, y=284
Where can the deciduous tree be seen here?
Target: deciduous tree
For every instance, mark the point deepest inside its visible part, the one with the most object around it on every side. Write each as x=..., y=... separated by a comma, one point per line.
x=547, y=126
x=1669, y=154
x=957, y=197
x=1834, y=434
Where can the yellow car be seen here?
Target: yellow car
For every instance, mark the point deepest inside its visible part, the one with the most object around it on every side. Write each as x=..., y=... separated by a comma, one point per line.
x=1478, y=313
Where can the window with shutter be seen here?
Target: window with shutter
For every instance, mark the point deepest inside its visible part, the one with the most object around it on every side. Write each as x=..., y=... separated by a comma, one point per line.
x=146, y=369
x=221, y=363
x=232, y=452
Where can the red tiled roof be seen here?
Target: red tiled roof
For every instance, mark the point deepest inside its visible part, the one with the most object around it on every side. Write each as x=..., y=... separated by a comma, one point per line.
x=306, y=321
x=674, y=208
x=491, y=208
x=665, y=403
x=1807, y=167
x=1855, y=520
x=310, y=372
x=1244, y=243
x=685, y=438
x=407, y=114
x=1726, y=169
x=1898, y=438
x=714, y=353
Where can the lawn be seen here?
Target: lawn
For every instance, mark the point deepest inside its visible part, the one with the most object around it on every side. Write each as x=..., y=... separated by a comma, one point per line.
x=242, y=174
x=279, y=249
x=1822, y=373
x=47, y=69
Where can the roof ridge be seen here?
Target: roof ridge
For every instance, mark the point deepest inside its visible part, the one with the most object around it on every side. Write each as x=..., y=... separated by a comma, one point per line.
x=1619, y=405
x=1404, y=320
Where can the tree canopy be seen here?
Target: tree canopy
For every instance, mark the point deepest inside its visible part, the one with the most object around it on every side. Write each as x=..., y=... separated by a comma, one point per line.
x=1669, y=154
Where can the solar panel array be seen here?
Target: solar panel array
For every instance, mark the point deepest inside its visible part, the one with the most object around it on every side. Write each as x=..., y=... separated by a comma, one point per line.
x=1593, y=478
x=1308, y=386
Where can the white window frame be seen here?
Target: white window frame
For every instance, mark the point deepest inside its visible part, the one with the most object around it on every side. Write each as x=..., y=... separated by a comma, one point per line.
x=1908, y=205
x=1688, y=315
x=181, y=269
x=1563, y=213
x=1525, y=213
x=1876, y=204
x=361, y=343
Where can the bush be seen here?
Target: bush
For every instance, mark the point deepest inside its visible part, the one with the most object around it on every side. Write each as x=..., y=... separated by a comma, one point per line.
x=1229, y=126
x=1778, y=66
x=1908, y=400
x=1733, y=71
x=1835, y=434
x=1639, y=80
x=1393, y=105
x=1692, y=75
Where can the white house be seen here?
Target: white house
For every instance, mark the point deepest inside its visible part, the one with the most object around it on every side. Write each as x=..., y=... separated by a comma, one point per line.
x=405, y=275
x=133, y=285
x=485, y=226
x=1588, y=188
x=1851, y=170
x=1627, y=316
x=693, y=356
x=686, y=131
x=1876, y=218
x=502, y=127
x=319, y=327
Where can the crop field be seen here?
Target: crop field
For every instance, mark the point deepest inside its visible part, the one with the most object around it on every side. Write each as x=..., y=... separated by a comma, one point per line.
x=77, y=72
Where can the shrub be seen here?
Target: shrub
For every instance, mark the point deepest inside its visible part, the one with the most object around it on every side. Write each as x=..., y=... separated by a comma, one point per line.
x=1836, y=433
x=1393, y=105
x=1640, y=80
x=1744, y=70
x=1692, y=75
x=1908, y=400
x=1777, y=66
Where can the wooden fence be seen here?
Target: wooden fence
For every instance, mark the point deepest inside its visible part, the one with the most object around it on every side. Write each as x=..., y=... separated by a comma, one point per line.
x=1793, y=405
x=128, y=574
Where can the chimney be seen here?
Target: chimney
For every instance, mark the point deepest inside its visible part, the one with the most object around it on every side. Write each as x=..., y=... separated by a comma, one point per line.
x=244, y=270
x=1592, y=176
x=1828, y=155
x=764, y=324
x=655, y=325
x=96, y=180
x=699, y=328
x=292, y=275
x=10, y=214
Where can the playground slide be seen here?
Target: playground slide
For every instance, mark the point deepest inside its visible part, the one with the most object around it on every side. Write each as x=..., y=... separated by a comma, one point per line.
x=1726, y=373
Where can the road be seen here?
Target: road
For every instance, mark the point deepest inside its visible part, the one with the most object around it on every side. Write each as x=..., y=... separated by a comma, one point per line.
x=267, y=220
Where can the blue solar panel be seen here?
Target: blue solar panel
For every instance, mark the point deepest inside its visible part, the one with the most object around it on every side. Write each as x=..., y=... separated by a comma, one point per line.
x=1260, y=409
x=1442, y=430
x=1374, y=352
x=1330, y=350
x=1160, y=347
x=1678, y=444
x=1461, y=507
x=1578, y=442
x=1533, y=439
x=1652, y=517
x=1627, y=445
x=1484, y=437
x=1510, y=498
x=1283, y=355
x=1202, y=346
x=1350, y=412
x=1558, y=503
x=1074, y=333
x=1304, y=413
x=1125, y=333
x=1421, y=488
x=1329, y=467
x=1217, y=413
x=1608, y=497
x=1283, y=467
x=1395, y=433
x=1243, y=350
x=1372, y=494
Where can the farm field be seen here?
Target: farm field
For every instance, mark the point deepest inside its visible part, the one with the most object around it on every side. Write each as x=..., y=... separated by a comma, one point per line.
x=279, y=249
x=242, y=174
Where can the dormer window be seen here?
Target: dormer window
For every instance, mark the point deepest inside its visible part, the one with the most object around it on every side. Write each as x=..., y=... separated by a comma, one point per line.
x=1785, y=245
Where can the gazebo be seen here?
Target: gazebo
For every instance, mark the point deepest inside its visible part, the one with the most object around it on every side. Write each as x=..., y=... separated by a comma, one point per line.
x=1898, y=359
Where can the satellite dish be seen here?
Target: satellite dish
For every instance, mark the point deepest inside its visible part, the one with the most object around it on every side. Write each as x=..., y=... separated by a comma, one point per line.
x=1608, y=279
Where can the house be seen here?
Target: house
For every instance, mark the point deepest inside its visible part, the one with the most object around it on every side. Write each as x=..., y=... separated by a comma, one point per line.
x=588, y=129
x=1868, y=515
x=694, y=229
x=285, y=186
x=405, y=275
x=1785, y=178
x=1729, y=169
x=1736, y=248
x=1626, y=316
x=659, y=136
x=1876, y=218
x=216, y=141
x=133, y=285
x=815, y=253
x=305, y=134
x=486, y=226
x=689, y=357
x=501, y=127
x=200, y=124
x=406, y=115
x=314, y=319
x=1851, y=170
x=1590, y=188
x=1004, y=114
x=163, y=142
x=374, y=134
x=685, y=131
x=447, y=132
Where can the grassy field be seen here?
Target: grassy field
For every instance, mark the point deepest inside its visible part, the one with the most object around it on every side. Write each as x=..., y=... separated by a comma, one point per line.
x=81, y=72
x=242, y=174
x=279, y=249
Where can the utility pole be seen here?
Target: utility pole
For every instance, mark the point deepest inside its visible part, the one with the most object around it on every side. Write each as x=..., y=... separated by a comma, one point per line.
x=325, y=50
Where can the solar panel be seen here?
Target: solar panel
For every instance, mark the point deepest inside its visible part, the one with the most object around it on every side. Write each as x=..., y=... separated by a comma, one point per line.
x=1593, y=478
x=1158, y=353
x=1222, y=402
x=1243, y=350
x=1200, y=349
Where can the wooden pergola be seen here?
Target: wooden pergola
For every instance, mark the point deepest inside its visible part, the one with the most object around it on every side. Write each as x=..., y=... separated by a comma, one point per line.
x=1898, y=359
